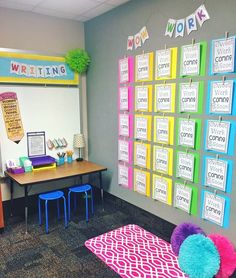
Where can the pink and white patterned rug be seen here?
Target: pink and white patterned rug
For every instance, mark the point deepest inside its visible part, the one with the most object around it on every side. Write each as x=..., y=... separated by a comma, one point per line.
x=132, y=251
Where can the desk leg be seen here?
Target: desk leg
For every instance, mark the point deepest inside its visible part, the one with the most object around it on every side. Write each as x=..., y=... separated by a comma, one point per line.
x=11, y=188
x=26, y=209
x=101, y=189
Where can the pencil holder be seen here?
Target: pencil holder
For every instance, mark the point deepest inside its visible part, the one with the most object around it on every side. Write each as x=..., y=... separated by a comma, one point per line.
x=69, y=159
x=61, y=160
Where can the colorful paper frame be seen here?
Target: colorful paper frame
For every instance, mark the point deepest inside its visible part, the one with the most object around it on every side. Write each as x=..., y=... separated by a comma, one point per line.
x=232, y=133
x=173, y=93
x=211, y=57
x=194, y=199
x=130, y=176
x=130, y=150
x=130, y=99
x=173, y=71
x=233, y=109
x=130, y=70
x=130, y=123
x=148, y=155
x=203, y=52
x=226, y=211
x=150, y=75
x=149, y=88
x=169, y=189
x=200, y=98
x=147, y=193
x=196, y=165
x=149, y=119
x=171, y=130
x=29, y=68
x=229, y=176
x=198, y=127
x=170, y=160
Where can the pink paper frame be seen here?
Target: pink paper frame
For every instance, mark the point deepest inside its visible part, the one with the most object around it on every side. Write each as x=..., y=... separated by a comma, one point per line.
x=130, y=99
x=130, y=68
x=130, y=146
x=130, y=125
x=130, y=178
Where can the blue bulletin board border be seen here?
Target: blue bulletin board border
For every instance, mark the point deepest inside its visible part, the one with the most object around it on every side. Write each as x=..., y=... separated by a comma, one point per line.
x=35, y=69
x=233, y=109
x=227, y=209
x=229, y=176
x=232, y=132
x=211, y=56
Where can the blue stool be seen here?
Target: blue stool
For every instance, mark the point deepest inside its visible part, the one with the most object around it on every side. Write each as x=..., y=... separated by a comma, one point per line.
x=50, y=196
x=81, y=189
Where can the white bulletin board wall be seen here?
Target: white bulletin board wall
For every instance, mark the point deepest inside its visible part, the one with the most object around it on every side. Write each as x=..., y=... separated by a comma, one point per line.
x=55, y=110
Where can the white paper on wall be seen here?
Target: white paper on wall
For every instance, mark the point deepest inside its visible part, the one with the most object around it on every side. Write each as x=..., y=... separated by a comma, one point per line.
x=123, y=175
x=182, y=197
x=142, y=66
x=141, y=98
x=141, y=131
x=141, y=182
x=162, y=130
x=123, y=150
x=190, y=64
x=189, y=97
x=160, y=189
x=163, y=63
x=161, y=160
x=163, y=97
x=185, y=166
x=124, y=70
x=124, y=98
x=187, y=133
x=141, y=155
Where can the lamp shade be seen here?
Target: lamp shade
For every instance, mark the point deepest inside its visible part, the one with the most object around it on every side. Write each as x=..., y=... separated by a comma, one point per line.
x=79, y=141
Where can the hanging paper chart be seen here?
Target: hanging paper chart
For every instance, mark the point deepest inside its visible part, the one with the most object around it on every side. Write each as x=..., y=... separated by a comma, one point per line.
x=165, y=98
x=142, y=155
x=185, y=166
x=125, y=70
x=143, y=98
x=163, y=160
x=221, y=97
x=125, y=100
x=125, y=125
x=142, y=128
x=164, y=130
x=125, y=151
x=142, y=182
x=125, y=176
x=223, y=56
x=162, y=189
x=215, y=208
x=144, y=67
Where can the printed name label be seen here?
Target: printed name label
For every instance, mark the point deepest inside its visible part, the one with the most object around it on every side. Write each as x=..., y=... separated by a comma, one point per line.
x=189, y=97
x=190, y=59
x=185, y=166
x=163, y=63
x=183, y=197
x=160, y=189
x=163, y=98
x=187, y=133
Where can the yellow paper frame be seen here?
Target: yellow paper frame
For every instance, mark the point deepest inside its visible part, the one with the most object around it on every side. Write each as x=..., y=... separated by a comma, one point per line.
x=171, y=129
x=147, y=182
x=149, y=119
x=173, y=95
x=148, y=158
x=173, y=73
x=170, y=160
x=169, y=188
x=149, y=87
x=150, y=77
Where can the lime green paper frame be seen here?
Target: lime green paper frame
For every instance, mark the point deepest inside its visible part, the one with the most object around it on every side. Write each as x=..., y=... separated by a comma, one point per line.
x=173, y=94
x=169, y=189
x=149, y=87
x=196, y=175
x=170, y=160
x=200, y=98
x=148, y=158
x=150, y=77
x=198, y=128
x=203, y=52
x=171, y=128
x=174, y=55
x=194, y=201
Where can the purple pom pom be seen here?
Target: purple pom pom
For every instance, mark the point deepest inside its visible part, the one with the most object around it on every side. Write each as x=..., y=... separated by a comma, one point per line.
x=181, y=232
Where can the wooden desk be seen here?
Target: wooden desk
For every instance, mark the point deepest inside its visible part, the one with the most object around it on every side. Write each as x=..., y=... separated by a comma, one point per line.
x=75, y=169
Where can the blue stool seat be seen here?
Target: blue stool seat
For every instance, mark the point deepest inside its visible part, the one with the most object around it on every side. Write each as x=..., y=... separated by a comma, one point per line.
x=85, y=188
x=50, y=196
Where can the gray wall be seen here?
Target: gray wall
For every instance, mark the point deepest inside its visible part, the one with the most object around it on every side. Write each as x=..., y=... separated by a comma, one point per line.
x=105, y=40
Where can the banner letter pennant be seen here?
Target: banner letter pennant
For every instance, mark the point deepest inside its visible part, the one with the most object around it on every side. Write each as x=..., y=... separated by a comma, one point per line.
x=137, y=40
x=130, y=43
x=170, y=27
x=202, y=15
x=144, y=34
x=179, y=30
x=191, y=23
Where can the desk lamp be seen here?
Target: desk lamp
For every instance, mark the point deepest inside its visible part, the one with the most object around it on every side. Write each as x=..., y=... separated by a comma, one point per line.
x=79, y=143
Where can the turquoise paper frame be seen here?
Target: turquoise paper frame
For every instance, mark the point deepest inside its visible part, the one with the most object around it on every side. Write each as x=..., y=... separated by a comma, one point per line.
x=196, y=166
x=229, y=176
x=227, y=209
x=210, y=62
x=232, y=132
x=233, y=109
x=203, y=52
x=198, y=128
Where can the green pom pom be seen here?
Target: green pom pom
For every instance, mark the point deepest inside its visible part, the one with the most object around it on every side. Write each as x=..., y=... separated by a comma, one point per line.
x=78, y=60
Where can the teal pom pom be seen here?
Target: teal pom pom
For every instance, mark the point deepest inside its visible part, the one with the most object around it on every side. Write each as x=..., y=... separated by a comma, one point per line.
x=78, y=60
x=198, y=257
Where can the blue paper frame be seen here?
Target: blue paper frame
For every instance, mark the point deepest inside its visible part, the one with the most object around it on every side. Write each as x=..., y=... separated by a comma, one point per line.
x=232, y=132
x=233, y=109
x=229, y=176
x=211, y=54
x=226, y=213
